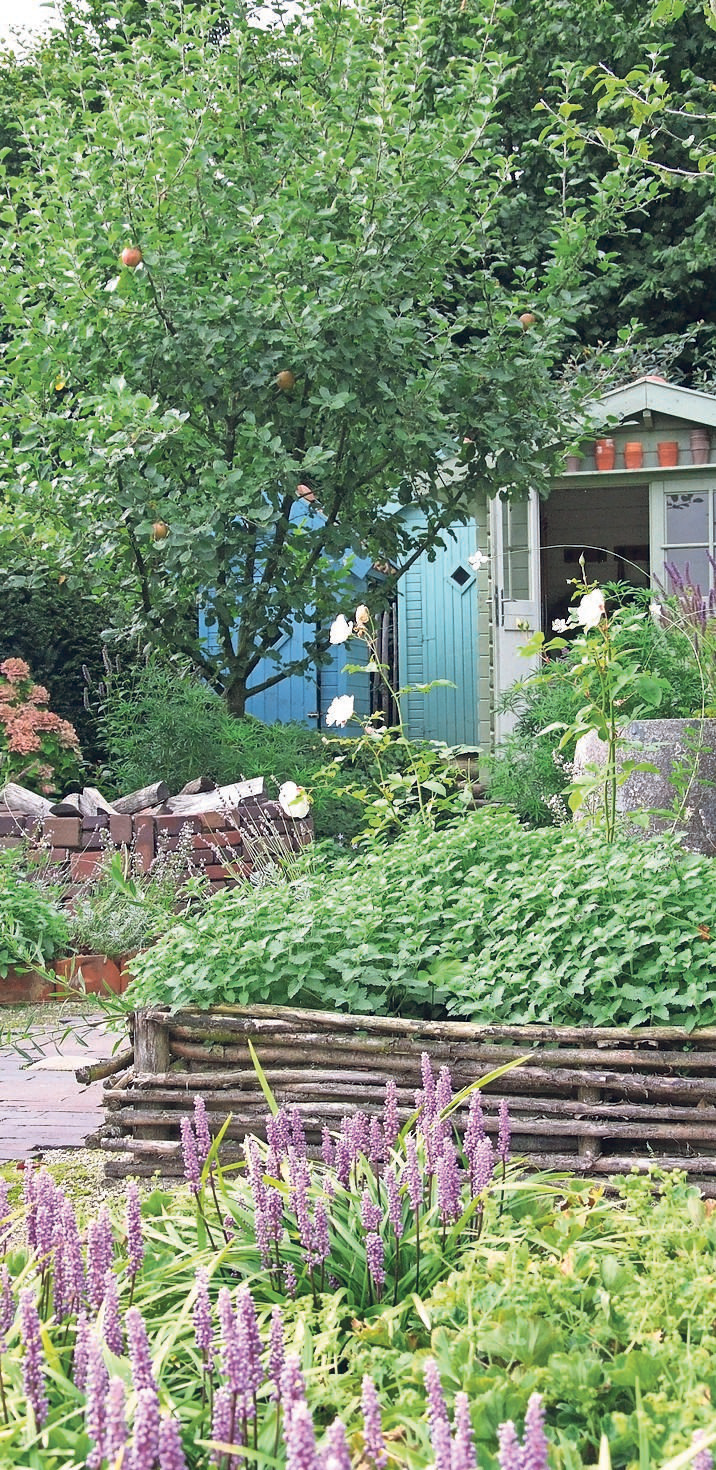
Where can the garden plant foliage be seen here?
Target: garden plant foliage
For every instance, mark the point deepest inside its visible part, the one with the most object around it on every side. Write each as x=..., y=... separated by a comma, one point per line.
x=485, y=919
x=32, y=928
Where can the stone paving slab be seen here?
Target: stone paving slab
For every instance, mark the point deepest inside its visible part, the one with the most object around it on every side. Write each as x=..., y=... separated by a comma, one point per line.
x=42, y=1106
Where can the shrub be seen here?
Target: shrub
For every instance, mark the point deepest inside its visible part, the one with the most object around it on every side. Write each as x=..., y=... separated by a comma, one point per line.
x=37, y=748
x=120, y=908
x=32, y=929
x=495, y=923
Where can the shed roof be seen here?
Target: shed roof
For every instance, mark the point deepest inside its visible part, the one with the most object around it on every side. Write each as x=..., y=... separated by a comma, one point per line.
x=659, y=396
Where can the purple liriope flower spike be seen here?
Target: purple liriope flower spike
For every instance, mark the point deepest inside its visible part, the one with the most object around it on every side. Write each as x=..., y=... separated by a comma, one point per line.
x=474, y=1131
x=201, y=1129
x=278, y=1133
x=509, y=1453
x=373, y=1440
x=359, y=1134
x=504, y=1132
x=704, y=1459
x=427, y=1097
x=100, y=1250
x=300, y=1439
x=375, y=1257
x=443, y=1099
x=438, y=1417
x=45, y=1210
x=336, y=1454
x=233, y=1358
x=298, y=1137
x=328, y=1152
x=203, y=1330
x=81, y=1350
x=250, y=1338
x=28, y=1198
x=111, y=1325
x=145, y=1439
x=135, y=1237
x=463, y=1445
x=140, y=1356
x=72, y=1262
x=171, y=1450
x=115, y=1430
x=343, y=1161
x=293, y=1388
x=395, y=1203
x=370, y=1213
x=277, y=1353
x=448, y=1179
x=535, y=1445
x=96, y=1406
x=7, y=1305
x=484, y=1166
x=33, y=1360
x=221, y=1428
x=320, y=1237
x=192, y=1169
x=376, y=1145
x=391, y=1125
x=289, y=1277
x=412, y=1176
x=4, y=1210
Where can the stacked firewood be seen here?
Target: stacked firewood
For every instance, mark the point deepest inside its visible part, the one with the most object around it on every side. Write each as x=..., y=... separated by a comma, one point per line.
x=201, y=795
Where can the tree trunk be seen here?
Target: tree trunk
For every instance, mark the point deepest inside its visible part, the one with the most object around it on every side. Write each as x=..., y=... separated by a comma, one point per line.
x=236, y=696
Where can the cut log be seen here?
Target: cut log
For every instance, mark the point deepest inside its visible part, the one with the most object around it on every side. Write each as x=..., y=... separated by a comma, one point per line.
x=92, y=803
x=69, y=806
x=26, y=803
x=138, y=801
x=195, y=788
x=215, y=801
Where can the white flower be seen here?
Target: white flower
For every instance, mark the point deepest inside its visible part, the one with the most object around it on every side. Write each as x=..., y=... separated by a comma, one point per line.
x=376, y=730
x=341, y=629
x=340, y=710
x=656, y=610
x=293, y=800
x=477, y=560
x=362, y=617
x=591, y=609
x=560, y=625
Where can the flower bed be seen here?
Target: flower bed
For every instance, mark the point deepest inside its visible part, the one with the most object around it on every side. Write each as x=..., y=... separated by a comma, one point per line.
x=594, y=1101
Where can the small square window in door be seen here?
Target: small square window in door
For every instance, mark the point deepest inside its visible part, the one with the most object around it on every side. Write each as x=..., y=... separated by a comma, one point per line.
x=461, y=576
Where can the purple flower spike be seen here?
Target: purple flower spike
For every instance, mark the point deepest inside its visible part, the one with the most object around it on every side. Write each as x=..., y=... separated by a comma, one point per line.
x=376, y=1145
x=395, y=1203
x=336, y=1454
x=33, y=1362
x=535, y=1443
x=370, y=1213
x=443, y=1099
x=278, y=1133
x=320, y=1241
x=203, y=1330
x=293, y=1388
x=250, y=1338
x=72, y=1267
x=96, y=1406
x=448, y=1177
x=233, y=1359
x=115, y=1433
x=374, y=1443
x=100, y=1251
x=81, y=1352
x=438, y=1417
x=221, y=1428
x=192, y=1168
x=171, y=1452
x=475, y=1130
x=7, y=1305
x=289, y=1276
x=428, y=1099
x=391, y=1125
x=300, y=1439
x=135, y=1238
x=140, y=1356
x=201, y=1129
x=4, y=1211
x=509, y=1453
x=704, y=1459
x=504, y=1132
x=277, y=1354
x=328, y=1152
x=145, y=1440
x=463, y=1448
x=484, y=1165
x=298, y=1137
x=343, y=1161
x=412, y=1176
x=111, y=1324
x=375, y=1258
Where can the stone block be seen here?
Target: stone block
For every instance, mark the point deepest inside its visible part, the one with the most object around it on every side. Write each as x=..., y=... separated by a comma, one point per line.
x=62, y=831
x=84, y=864
x=120, y=829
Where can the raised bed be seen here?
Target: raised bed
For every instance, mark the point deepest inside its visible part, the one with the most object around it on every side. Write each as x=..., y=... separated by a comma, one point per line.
x=592, y=1101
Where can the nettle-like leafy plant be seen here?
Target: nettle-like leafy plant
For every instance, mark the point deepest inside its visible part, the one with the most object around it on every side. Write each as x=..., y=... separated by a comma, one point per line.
x=37, y=747
x=606, y=667
x=413, y=779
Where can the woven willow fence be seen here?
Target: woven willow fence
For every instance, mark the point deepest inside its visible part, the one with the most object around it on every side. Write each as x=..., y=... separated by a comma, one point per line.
x=592, y=1101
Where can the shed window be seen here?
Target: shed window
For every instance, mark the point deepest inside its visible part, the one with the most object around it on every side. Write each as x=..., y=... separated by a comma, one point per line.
x=691, y=535
x=461, y=576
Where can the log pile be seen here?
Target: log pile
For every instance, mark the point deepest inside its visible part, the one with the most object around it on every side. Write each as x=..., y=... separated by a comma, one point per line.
x=594, y=1102
x=221, y=828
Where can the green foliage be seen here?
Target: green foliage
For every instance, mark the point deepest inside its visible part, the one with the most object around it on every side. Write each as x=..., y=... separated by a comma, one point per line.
x=321, y=301
x=120, y=908
x=495, y=923
x=32, y=929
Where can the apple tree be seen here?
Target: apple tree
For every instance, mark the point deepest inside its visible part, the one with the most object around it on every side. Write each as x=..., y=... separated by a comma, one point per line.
x=248, y=271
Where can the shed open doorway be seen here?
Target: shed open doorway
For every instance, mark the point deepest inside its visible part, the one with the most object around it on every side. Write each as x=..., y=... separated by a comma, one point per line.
x=609, y=524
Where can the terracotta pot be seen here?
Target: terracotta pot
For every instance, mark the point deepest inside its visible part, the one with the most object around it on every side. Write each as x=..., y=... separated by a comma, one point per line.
x=668, y=453
x=700, y=442
x=633, y=455
x=605, y=454
x=88, y=974
x=124, y=962
x=24, y=987
x=572, y=464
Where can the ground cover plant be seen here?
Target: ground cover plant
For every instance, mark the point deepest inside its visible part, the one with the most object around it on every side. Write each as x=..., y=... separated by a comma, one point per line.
x=256, y=1316
x=32, y=928
x=483, y=919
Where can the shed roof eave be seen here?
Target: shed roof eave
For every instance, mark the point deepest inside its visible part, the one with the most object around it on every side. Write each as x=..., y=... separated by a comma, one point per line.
x=648, y=393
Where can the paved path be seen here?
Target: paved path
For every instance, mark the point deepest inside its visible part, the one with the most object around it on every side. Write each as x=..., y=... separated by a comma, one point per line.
x=42, y=1106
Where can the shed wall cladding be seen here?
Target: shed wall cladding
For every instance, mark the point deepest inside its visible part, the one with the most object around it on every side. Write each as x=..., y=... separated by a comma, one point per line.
x=437, y=631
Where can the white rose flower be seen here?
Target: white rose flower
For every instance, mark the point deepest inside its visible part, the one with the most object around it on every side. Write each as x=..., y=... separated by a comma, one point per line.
x=560, y=625
x=294, y=800
x=362, y=617
x=656, y=610
x=340, y=710
x=341, y=629
x=591, y=609
x=477, y=560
